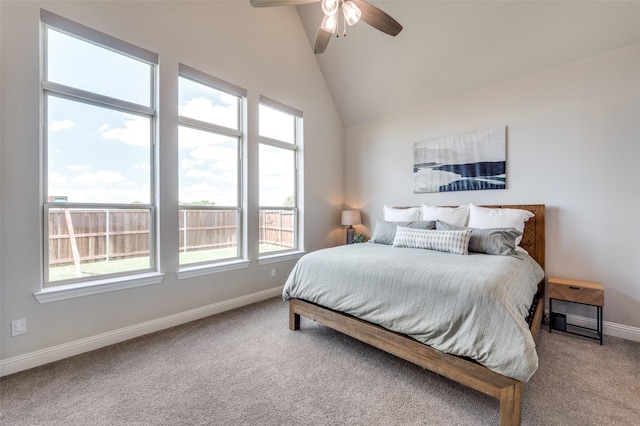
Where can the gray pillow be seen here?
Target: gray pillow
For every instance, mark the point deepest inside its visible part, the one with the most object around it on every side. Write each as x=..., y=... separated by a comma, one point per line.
x=500, y=241
x=385, y=232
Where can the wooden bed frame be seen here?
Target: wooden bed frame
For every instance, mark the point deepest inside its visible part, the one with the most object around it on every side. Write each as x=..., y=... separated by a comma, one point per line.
x=462, y=370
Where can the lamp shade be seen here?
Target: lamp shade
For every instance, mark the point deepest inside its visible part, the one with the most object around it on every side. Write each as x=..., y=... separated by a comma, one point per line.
x=351, y=217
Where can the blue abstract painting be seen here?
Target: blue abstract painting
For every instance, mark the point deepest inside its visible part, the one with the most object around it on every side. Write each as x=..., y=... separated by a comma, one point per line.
x=467, y=162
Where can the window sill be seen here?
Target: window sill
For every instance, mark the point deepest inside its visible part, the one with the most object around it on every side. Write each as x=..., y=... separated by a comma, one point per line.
x=201, y=270
x=283, y=257
x=70, y=291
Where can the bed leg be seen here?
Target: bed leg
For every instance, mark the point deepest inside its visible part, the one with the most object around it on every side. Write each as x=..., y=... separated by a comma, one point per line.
x=294, y=319
x=511, y=404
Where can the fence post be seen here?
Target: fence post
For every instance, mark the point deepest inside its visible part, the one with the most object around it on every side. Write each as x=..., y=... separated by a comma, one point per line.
x=107, y=239
x=280, y=230
x=184, y=230
x=72, y=241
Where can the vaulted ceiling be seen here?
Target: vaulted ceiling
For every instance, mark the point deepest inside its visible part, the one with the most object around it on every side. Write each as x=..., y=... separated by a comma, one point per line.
x=448, y=48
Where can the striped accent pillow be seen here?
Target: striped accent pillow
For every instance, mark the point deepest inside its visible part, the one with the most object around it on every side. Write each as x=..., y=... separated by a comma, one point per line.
x=456, y=242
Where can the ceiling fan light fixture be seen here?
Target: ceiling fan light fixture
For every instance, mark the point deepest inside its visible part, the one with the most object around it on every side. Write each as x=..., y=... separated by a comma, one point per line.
x=330, y=23
x=351, y=12
x=330, y=7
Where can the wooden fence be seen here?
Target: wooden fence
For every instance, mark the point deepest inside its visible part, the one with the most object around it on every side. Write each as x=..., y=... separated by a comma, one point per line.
x=99, y=235
x=277, y=228
x=208, y=229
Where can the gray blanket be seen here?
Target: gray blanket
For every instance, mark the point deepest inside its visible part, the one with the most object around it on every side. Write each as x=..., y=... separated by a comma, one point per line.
x=473, y=306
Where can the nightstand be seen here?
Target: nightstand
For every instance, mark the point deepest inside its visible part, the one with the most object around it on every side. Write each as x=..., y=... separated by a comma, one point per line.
x=577, y=291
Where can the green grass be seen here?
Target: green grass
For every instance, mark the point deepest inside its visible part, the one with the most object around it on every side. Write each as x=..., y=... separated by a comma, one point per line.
x=92, y=269
x=207, y=255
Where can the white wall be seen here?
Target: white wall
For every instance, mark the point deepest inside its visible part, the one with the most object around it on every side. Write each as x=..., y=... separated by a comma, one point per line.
x=229, y=40
x=573, y=143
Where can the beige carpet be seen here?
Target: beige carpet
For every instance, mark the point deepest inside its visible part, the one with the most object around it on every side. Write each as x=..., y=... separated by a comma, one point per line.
x=245, y=367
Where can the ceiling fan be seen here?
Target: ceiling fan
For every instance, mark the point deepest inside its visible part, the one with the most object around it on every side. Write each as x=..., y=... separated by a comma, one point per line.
x=352, y=12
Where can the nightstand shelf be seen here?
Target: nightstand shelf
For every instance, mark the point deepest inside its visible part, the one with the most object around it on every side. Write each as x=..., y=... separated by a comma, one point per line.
x=577, y=291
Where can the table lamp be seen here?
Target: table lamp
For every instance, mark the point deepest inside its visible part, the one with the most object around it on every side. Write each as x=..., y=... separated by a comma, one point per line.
x=351, y=217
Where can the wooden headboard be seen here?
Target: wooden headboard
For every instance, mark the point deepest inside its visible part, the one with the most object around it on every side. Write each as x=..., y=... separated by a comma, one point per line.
x=533, y=240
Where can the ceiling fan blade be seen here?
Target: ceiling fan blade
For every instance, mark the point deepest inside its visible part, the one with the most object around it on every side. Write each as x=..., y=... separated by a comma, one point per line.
x=322, y=40
x=271, y=3
x=377, y=18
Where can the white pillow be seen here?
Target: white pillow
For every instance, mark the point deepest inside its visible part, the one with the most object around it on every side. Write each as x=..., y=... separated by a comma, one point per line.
x=410, y=214
x=484, y=217
x=456, y=216
x=456, y=242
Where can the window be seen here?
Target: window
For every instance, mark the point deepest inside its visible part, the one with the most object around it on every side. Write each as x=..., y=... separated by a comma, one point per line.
x=210, y=155
x=280, y=128
x=98, y=97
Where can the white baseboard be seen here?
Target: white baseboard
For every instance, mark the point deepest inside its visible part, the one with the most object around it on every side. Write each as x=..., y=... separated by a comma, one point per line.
x=608, y=328
x=65, y=350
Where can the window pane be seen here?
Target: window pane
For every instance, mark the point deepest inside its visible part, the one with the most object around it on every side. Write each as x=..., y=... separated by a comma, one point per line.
x=97, y=155
x=86, y=66
x=90, y=242
x=277, y=176
x=276, y=124
x=208, y=168
x=207, y=104
x=277, y=230
x=208, y=235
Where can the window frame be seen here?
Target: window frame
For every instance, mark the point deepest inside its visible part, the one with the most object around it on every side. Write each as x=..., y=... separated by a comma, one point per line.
x=73, y=287
x=238, y=261
x=294, y=147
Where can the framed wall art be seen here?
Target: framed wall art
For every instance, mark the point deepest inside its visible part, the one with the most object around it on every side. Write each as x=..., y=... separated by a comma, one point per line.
x=466, y=162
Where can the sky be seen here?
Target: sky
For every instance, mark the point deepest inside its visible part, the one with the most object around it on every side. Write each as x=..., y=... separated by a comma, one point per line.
x=103, y=155
x=482, y=145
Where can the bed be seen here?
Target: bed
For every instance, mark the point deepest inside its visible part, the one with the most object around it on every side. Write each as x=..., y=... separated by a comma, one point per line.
x=505, y=385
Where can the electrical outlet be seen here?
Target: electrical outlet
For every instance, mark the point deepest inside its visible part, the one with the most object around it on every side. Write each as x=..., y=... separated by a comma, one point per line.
x=18, y=327
x=273, y=272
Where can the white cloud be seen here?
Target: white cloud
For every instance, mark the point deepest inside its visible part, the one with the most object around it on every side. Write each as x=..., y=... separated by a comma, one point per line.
x=56, y=178
x=197, y=173
x=102, y=176
x=276, y=163
x=135, y=131
x=276, y=176
x=58, y=126
x=130, y=195
x=213, y=152
x=217, y=177
x=143, y=166
x=203, y=109
x=187, y=163
x=276, y=124
x=192, y=138
x=78, y=167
